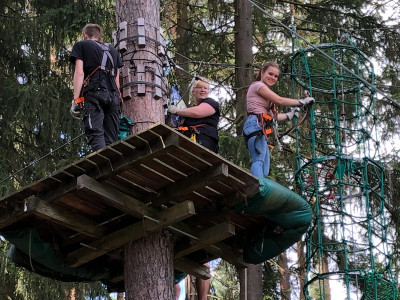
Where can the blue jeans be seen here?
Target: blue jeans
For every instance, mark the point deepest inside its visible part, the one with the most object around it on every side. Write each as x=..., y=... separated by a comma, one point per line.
x=258, y=147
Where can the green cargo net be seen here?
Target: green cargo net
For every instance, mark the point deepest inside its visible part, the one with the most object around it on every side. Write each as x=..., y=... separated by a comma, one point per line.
x=339, y=173
x=377, y=287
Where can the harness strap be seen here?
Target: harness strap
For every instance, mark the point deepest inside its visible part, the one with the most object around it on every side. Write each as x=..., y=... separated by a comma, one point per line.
x=106, y=55
x=193, y=129
x=266, y=120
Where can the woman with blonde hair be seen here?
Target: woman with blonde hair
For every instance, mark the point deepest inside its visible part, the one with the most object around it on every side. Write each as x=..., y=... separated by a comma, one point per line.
x=200, y=121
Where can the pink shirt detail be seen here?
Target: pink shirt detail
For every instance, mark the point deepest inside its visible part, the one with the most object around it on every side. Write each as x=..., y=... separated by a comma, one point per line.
x=255, y=103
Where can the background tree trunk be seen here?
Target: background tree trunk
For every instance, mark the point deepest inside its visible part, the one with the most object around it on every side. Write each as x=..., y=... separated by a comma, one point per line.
x=251, y=283
x=301, y=261
x=285, y=276
x=243, y=57
x=182, y=41
x=252, y=278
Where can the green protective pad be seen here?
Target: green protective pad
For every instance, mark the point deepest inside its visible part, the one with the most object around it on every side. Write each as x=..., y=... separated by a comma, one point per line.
x=286, y=209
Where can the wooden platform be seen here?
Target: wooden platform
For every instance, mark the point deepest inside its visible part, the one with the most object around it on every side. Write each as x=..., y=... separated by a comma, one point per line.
x=152, y=180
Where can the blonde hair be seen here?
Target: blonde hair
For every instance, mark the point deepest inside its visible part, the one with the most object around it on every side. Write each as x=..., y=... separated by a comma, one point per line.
x=197, y=80
x=93, y=30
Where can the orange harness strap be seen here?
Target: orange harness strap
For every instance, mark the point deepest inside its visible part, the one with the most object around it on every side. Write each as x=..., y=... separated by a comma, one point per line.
x=265, y=120
x=193, y=130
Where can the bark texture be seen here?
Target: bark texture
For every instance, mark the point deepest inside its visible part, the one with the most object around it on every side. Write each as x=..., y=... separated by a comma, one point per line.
x=149, y=268
x=143, y=62
x=148, y=262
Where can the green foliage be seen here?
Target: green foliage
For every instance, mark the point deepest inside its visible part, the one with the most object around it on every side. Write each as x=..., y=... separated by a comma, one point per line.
x=35, y=95
x=225, y=282
x=270, y=281
x=234, y=149
x=36, y=83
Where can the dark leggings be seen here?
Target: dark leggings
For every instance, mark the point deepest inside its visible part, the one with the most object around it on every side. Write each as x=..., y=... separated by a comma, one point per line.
x=208, y=142
x=204, y=140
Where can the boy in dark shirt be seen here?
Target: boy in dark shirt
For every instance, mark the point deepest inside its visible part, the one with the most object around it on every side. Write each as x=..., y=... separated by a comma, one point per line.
x=96, y=79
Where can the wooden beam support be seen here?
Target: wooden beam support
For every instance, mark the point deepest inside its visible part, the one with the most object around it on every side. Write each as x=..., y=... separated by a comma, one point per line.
x=62, y=216
x=115, y=198
x=131, y=233
x=227, y=253
x=10, y=216
x=58, y=190
x=207, y=237
x=192, y=268
x=192, y=183
x=219, y=249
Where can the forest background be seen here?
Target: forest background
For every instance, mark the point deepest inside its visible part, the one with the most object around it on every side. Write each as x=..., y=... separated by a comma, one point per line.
x=38, y=136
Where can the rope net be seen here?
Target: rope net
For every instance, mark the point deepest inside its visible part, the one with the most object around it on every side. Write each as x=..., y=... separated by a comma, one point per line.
x=347, y=254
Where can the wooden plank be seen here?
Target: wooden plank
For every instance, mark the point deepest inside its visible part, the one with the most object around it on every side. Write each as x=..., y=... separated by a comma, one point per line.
x=193, y=268
x=111, y=153
x=63, y=217
x=62, y=176
x=160, y=167
x=190, y=184
x=177, y=164
x=133, y=232
x=135, y=177
x=59, y=190
x=103, y=164
x=161, y=129
x=227, y=253
x=189, y=159
x=153, y=175
x=128, y=187
x=207, y=237
x=218, y=249
x=11, y=213
x=74, y=170
x=87, y=164
x=115, y=198
x=123, y=147
x=139, y=155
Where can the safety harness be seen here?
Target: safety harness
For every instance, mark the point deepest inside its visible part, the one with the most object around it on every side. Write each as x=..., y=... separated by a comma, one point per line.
x=106, y=55
x=268, y=126
x=190, y=130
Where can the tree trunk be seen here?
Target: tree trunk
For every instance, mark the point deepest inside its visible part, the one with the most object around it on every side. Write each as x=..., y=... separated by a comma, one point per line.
x=244, y=58
x=301, y=262
x=149, y=268
x=148, y=262
x=285, y=276
x=327, y=288
x=143, y=80
x=182, y=42
x=251, y=284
